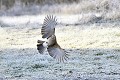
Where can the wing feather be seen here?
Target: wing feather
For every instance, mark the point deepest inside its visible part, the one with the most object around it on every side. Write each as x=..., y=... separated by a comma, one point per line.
x=48, y=27
x=57, y=53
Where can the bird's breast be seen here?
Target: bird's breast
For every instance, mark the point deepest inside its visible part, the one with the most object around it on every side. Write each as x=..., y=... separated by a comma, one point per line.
x=45, y=44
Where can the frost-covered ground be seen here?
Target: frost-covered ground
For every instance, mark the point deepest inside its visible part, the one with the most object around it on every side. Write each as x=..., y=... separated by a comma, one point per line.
x=94, y=50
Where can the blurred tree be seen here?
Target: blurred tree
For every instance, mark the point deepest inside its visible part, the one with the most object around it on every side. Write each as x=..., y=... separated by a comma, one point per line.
x=7, y=3
x=0, y=4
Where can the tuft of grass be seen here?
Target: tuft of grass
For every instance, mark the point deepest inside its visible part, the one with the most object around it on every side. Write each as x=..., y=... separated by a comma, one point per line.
x=97, y=58
x=111, y=57
x=36, y=66
x=99, y=54
x=21, y=75
x=118, y=50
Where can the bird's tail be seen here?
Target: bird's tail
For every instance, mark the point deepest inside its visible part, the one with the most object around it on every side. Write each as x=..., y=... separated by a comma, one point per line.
x=40, y=46
x=40, y=41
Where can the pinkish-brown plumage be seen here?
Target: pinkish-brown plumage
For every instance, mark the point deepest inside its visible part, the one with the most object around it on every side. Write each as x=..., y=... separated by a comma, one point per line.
x=48, y=32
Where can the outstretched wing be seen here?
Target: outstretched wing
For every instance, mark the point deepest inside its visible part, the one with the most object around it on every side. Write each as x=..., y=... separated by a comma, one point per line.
x=57, y=53
x=48, y=27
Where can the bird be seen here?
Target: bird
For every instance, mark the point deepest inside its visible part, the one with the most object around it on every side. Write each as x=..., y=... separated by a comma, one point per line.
x=49, y=40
